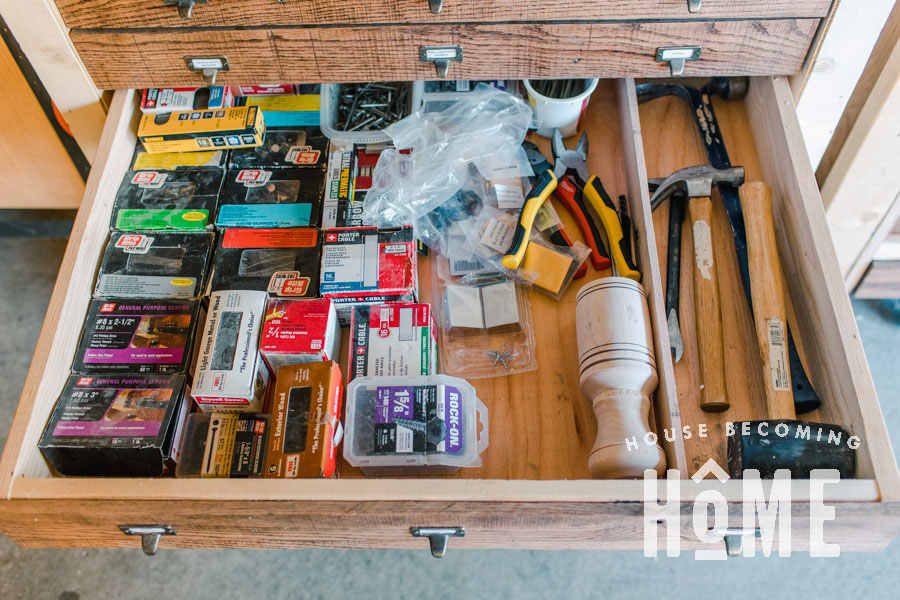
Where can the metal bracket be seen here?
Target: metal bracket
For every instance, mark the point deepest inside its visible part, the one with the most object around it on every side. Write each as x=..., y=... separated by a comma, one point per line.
x=676, y=57
x=435, y=6
x=694, y=5
x=441, y=57
x=184, y=6
x=734, y=538
x=209, y=67
x=438, y=537
x=150, y=535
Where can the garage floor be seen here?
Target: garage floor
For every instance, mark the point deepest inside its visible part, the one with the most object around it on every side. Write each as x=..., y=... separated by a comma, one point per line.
x=26, y=280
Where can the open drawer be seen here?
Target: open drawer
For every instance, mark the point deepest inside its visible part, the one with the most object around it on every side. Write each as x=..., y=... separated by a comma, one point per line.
x=533, y=490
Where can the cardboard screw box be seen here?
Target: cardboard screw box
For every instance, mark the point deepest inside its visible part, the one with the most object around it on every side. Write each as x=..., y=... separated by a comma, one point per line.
x=367, y=265
x=300, y=331
x=231, y=375
x=224, y=445
x=160, y=100
x=389, y=340
x=269, y=197
x=154, y=264
x=186, y=131
x=306, y=421
x=114, y=425
x=160, y=200
x=282, y=262
x=123, y=335
x=285, y=148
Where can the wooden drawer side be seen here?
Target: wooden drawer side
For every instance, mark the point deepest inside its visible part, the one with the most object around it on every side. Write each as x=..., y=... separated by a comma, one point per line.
x=71, y=296
x=836, y=355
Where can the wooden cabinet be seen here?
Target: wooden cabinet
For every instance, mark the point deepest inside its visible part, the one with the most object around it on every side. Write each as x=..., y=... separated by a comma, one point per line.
x=533, y=489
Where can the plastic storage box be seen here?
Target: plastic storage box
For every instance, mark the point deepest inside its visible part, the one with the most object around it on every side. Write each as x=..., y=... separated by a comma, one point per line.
x=414, y=425
x=329, y=103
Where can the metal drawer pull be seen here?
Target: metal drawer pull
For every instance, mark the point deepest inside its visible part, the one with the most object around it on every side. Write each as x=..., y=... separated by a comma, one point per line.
x=150, y=535
x=441, y=57
x=438, y=537
x=676, y=57
x=734, y=538
x=184, y=6
x=209, y=67
x=694, y=5
x=435, y=6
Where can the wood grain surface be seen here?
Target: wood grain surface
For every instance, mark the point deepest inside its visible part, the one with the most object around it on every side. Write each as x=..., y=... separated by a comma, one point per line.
x=288, y=524
x=92, y=14
x=142, y=58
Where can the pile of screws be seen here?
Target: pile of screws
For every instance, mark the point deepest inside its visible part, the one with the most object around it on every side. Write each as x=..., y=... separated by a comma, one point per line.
x=558, y=88
x=371, y=106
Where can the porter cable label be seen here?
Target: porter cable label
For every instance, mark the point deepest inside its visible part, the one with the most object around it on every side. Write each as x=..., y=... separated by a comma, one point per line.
x=777, y=355
x=498, y=235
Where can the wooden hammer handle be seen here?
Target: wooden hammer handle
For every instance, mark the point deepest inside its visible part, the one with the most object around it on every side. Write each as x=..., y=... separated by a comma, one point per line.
x=767, y=289
x=707, y=309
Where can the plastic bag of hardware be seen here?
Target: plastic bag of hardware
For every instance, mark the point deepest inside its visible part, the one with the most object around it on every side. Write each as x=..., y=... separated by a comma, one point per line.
x=484, y=323
x=405, y=187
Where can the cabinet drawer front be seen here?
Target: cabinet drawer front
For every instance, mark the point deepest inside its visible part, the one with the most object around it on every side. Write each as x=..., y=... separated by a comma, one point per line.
x=90, y=14
x=118, y=60
x=288, y=524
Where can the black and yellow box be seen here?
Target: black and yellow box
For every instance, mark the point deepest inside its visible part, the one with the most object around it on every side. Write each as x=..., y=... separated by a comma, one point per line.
x=189, y=130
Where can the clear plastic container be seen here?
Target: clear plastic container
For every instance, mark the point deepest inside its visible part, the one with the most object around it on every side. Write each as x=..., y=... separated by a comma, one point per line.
x=328, y=112
x=432, y=424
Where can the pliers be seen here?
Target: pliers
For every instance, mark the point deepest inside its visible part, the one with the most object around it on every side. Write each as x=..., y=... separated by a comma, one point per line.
x=547, y=180
x=570, y=166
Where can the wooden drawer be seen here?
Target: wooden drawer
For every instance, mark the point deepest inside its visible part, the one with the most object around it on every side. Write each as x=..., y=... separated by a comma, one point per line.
x=145, y=58
x=133, y=14
x=533, y=490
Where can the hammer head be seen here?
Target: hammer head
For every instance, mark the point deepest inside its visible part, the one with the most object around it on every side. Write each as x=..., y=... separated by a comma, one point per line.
x=696, y=182
x=798, y=446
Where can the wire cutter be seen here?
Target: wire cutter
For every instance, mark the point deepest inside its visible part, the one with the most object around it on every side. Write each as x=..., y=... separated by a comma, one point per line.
x=570, y=166
x=546, y=183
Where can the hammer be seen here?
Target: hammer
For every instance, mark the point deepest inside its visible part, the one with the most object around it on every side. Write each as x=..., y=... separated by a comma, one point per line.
x=782, y=442
x=695, y=184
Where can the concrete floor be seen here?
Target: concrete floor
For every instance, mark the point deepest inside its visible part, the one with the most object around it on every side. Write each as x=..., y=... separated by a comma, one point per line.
x=26, y=281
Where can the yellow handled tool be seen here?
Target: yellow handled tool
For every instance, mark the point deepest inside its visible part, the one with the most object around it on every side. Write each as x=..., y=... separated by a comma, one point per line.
x=606, y=210
x=545, y=186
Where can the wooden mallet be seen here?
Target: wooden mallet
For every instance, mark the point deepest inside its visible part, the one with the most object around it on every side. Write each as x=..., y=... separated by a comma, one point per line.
x=618, y=374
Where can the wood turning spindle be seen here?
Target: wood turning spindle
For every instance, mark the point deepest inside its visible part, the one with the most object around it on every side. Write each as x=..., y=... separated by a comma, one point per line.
x=618, y=374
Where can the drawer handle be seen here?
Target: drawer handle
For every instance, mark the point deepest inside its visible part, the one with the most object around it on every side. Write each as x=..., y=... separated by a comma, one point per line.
x=676, y=56
x=435, y=6
x=441, y=56
x=184, y=6
x=734, y=538
x=208, y=66
x=438, y=537
x=694, y=6
x=150, y=535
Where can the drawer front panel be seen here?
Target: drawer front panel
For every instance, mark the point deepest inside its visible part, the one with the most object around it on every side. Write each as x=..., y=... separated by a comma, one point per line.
x=118, y=60
x=90, y=14
x=290, y=524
